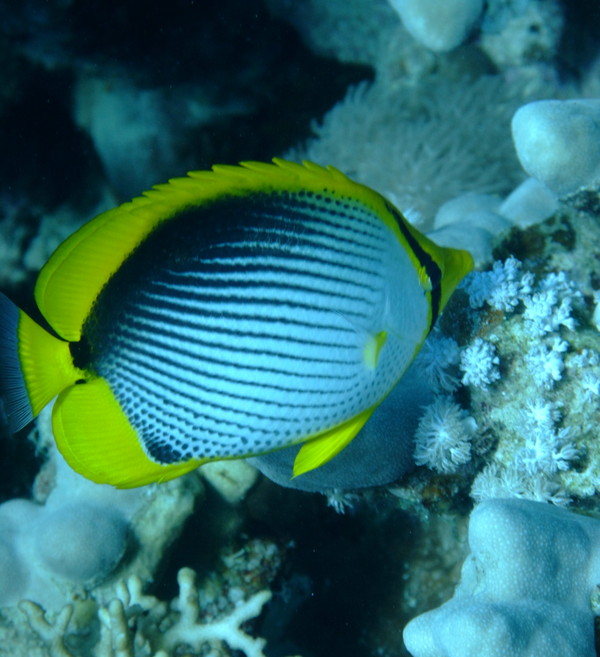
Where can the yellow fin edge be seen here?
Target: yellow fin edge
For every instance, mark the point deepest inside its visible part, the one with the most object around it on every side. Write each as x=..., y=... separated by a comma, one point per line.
x=454, y=265
x=76, y=272
x=97, y=441
x=321, y=449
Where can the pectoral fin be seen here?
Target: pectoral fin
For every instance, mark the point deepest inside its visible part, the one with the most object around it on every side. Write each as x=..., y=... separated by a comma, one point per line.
x=373, y=348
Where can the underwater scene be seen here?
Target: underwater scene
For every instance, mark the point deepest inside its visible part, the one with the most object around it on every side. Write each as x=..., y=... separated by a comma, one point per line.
x=300, y=328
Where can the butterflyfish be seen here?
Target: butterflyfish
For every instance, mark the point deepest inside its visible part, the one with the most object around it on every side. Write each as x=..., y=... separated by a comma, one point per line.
x=223, y=315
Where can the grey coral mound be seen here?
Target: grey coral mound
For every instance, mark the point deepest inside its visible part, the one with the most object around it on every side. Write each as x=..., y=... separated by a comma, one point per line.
x=526, y=587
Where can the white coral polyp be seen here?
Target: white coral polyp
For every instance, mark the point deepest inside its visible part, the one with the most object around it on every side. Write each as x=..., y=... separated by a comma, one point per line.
x=479, y=364
x=443, y=437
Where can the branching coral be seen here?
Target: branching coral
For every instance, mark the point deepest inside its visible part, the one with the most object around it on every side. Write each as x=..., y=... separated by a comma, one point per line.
x=52, y=632
x=134, y=624
x=143, y=621
x=541, y=409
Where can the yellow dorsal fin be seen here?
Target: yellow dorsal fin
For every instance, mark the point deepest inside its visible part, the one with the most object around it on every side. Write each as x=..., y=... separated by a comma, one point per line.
x=71, y=280
x=73, y=277
x=317, y=451
x=96, y=439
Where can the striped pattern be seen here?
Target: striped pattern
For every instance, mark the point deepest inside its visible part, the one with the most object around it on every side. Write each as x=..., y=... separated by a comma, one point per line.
x=240, y=327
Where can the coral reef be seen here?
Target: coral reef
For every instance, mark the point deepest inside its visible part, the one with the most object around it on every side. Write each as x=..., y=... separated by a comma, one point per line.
x=526, y=587
x=528, y=357
x=545, y=400
x=557, y=143
x=530, y=203
x=442, y=439
x=134, y=624
x=134, y=132
x=439, y=27
x=74, y=534
x=520, y=32
x=501, y=404
x=478, y=363
x=422, y=146
x=349, y=31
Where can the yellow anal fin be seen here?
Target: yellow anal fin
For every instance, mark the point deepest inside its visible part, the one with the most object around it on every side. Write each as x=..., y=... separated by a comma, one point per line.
x=318, y=451
x=97, y=440
x=373, y=349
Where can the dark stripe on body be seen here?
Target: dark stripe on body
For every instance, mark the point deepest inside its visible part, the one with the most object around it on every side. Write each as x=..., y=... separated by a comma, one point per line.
x=195, y=289
x=228, y=235
x=206, y=274
x=164, y=332
x=425, y=260
x=133, y=380
x=141, y=348
x=225, y=315
x=222, y=257
x=216, y=299
x=155, y=316
x=313, y=223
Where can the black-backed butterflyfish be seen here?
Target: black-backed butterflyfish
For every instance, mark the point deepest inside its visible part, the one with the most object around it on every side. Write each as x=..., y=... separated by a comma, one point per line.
x=224, y=315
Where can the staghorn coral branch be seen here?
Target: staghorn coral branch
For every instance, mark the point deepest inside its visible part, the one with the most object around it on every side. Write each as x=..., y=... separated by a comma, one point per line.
x=51, y=633
x=188, y=630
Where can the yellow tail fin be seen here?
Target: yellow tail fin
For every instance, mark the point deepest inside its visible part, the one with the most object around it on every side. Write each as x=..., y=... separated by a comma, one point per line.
x=34, y=366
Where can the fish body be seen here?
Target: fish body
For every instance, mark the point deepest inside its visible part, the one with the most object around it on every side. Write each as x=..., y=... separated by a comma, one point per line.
x=224, y=315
